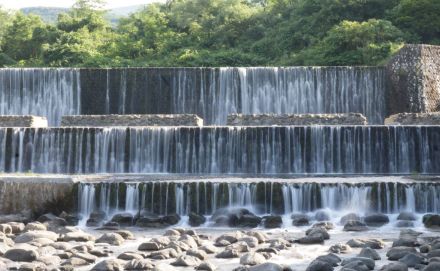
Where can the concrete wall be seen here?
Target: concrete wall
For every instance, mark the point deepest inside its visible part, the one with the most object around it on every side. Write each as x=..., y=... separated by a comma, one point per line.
x=131, y=120
x=296, y=119
x=414, y=80
x=414, y=119
x=23, y=121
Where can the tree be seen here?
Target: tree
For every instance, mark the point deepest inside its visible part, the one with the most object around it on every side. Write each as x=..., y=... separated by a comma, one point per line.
x=354, y=43
x=420, y=18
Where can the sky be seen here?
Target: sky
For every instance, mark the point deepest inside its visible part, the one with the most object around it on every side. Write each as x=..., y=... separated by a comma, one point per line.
x=17, y=4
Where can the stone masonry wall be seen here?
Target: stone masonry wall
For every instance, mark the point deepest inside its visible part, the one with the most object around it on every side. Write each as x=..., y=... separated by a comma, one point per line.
x=23, y=121
x=414, y=80
x=296, y=119
x=414, y=119
x=132, y=120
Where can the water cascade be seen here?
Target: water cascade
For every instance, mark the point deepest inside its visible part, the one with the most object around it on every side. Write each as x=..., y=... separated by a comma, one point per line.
x=223, y=150
x=261, y=197
x=50, y=93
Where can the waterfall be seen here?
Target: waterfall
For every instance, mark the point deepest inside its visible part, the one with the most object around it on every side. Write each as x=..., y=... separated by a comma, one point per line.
x=205, y=197
x=50, y=93
x=223, y=150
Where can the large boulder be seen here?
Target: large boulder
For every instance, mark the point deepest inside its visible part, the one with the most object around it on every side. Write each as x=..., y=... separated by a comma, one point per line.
x=395, y=267
x=24, y=253
x=272, y=221
x=433, y=266
x=348, y=217
x=396, y=253
x=318, y=265
x=431, y=220
x=367, y=252
x=354, y=225
x=299, y=220
x=376, y=220
x=196, y=220
x=236, y=217
x=367, y=261
x=413, y=259
x=123, y=219
x=111, y=239
x=407, y=216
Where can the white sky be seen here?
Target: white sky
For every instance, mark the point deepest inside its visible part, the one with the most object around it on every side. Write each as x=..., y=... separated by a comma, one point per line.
x=17, y=4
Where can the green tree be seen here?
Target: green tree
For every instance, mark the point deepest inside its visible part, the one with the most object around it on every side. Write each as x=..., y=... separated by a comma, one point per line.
x=354, y=43
x=420, y=18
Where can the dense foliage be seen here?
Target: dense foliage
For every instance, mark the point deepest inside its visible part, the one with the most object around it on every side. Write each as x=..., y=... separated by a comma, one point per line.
x=221, y=33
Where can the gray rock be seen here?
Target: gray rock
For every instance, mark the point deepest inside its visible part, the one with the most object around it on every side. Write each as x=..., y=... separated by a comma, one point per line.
x=230, y=238
x=434, y=253
x=262, y=237
x=413, y=259
x=324, y=224
x=310, y=240
x=206, y=266
x=361, y=243
x=322, y=215
x=408, y=216
x=251, y=242
x=6, y=228
x=367, y=252
x=356, y=265
x=202, y=255
x=376, y=220
x=109, y=265
x=228, y=254
x=270, y=267
x=139, y=265
x=78, y=236
x=318, y=265
x=21, y=254
x=354, y=225
x=252, y=259
x=318, y=231
x=395, y=267
x=349, y=217
x=299, y=220
x=33, y=235
x=367, y=261
x=163, y=254
x=431, y=220
x=395, y=253
x=123, y=219
x=434, y=266
x=111, y=239
x=128, y=256
x=35, y=226
x=127, y=235
x=35, y=266
x=186, y=260
x=209, y=249
x=17, y=227
x=425, y=249
x=196, y=220
x=74, y=261
x=404, y=224
x=406, y=242
x=330, y=258
x=340, y=249
x=272, y=222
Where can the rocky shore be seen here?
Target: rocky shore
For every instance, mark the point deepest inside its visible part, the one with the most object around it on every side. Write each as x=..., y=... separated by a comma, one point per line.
x=234, y=240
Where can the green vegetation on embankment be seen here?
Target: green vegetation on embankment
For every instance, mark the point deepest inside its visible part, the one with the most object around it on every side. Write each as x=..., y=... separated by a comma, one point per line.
x=221, y=33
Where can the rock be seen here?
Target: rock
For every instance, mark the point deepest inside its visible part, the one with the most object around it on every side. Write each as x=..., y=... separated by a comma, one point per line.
x=408, y=216
x=6, y=240
x=111, y=239
x=340, y=249
x=171, y=219
x=228, y=238
x=85, y=256
x=30, y=236
x=52, y=219
x=74, y=261
x=394, y=267
x=123, y=219
x=406, y=242
x=354, y=225
x=202, y=255
x=71, y=219
x=189, y=240
x=299, y=220
x=395, y=253
x=100, y=253
x=348, y=217
x=138, y=265
x=376, y=220
x=317, y=265
x=109, y=265
x=206, y=266
x=163, y=267
x=178, y=246
x=279, y=244
x=434, y=266
x=22, y=254
x=186, y=260
x=322, y=215
x=367, y=261
x=228, y=254
x=329, y=258
x=127, y=235
x=262, y=237
x=209, y=249
x=6, y=228
x=355, y=265
x=35, y=226
x=163, y=254
x=425, y=249
x=404, y=224
x=318, y=231
x=252, y=258
x=413, y=259
x=172, y=232
x=78, y=236
x=269, y=250
x=35, y=266
x=252, y=242
x=272, y=221
x=324, y=224
x=309, y=240
x=431, y=221
x=434, y=253
x=17, y=227
x=150, y=222
x=270, y=267
x=196, y=220
x=367, y=252
x=150, y=246
x=235, y=217
x=371, y=243
x=128, y=256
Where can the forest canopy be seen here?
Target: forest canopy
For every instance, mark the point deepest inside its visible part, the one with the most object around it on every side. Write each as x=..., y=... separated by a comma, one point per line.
x=220, y=33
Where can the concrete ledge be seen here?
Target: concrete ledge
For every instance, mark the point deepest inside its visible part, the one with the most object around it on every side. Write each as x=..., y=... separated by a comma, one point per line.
x=296, y=119
x=23, y=121
x=414, y=119
x=131, y=120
